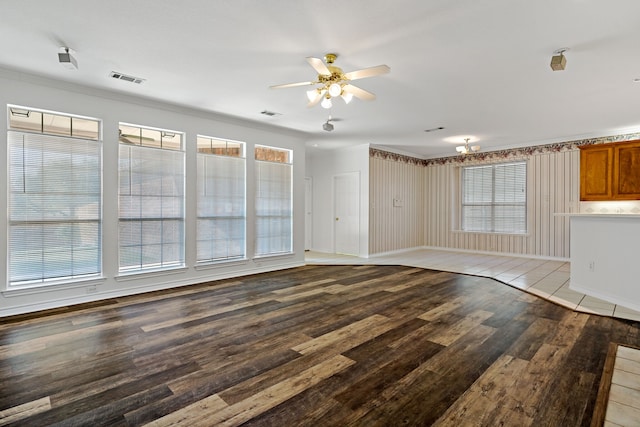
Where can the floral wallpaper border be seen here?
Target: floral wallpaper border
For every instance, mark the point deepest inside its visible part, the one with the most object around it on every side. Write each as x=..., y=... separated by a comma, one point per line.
x=501, y=155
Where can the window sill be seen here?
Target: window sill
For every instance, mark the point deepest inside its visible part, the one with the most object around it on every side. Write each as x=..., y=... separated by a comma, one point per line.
x=16, y=291
x=222, y=263
x=490, y=233
x=134, y=275
x=273, y=256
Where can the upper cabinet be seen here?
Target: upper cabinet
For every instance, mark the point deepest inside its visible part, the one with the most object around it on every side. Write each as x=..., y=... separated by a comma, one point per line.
x=610, y=171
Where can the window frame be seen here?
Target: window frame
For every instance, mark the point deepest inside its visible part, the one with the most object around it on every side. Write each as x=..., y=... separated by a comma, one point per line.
x=235, y=154
x=156, y=148
x=269, y=155
x=78, y=218
x=493, y=218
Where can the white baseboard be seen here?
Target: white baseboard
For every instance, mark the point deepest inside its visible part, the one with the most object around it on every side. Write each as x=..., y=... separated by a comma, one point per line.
x=134, y=290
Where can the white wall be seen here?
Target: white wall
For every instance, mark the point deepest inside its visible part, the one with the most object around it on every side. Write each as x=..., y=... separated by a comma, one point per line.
x=604, y=257
x=111, y=108
x=323, y=165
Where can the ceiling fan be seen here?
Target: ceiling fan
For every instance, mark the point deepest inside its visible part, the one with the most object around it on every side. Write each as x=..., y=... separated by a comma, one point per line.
x=334, y=83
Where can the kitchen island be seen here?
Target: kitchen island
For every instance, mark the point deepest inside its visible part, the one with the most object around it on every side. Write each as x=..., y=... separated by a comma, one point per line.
x=605, y=257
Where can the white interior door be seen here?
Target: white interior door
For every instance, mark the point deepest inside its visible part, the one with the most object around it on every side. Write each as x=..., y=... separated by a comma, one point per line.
x=308, y=214
x=346, y=190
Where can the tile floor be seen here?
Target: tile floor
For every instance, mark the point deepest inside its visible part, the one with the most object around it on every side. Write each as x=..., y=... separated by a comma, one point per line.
x=547, y=279
x=623, y=407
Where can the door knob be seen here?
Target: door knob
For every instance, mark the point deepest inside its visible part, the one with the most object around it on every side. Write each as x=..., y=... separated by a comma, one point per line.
x=337, y=219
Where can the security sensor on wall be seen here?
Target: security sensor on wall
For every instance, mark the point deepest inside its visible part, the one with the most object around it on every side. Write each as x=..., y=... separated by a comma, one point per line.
x=558, y=60
x=65, y=57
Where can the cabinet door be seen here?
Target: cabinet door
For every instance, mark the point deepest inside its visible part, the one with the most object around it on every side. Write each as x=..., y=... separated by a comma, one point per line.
x=596, y=172
x=626, y=176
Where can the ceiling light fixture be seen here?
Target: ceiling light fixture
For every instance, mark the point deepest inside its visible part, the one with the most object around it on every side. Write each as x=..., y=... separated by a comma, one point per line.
x=326, y=102
x=327, y=126
x=559, y=61
x=466, y=149
x=66, y=58
x=335, y=89
x=335, y=83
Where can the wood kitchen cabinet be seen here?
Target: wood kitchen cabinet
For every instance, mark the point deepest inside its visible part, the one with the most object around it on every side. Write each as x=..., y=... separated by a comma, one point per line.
x=610, y=171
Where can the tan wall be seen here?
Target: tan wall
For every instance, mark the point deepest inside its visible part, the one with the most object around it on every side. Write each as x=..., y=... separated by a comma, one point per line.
x=395, y=227
x=429, y=191
x=552, y=188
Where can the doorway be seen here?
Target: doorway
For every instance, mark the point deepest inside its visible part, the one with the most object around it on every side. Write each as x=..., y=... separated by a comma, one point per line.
x=308, y=213
x=346, y=190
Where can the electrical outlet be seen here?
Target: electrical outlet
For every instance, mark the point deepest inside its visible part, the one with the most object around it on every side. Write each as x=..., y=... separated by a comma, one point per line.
x=592, y=266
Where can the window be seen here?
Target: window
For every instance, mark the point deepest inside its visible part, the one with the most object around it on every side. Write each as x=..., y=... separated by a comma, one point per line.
x=494, y=198
x=151, y=199
x=273, y=201
x=221, y=200
x=55, y=196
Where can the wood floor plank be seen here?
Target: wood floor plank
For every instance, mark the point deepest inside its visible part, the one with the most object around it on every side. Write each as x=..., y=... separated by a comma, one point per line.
x=310, y=346
x=460, y=328
x=486, y=399
x=352, y=335
x=262, y=401
x=18, y=413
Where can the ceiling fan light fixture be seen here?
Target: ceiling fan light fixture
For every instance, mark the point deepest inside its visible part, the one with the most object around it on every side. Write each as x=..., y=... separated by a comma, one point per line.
x=326, y=102
x=466, y=148
x=334, y=83
x=335, y=89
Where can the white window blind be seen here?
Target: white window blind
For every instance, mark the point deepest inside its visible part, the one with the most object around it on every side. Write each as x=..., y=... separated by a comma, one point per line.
x=151, y=207
x=221, y=208
x=494, y=198
x=273, y=207
x=55, y=193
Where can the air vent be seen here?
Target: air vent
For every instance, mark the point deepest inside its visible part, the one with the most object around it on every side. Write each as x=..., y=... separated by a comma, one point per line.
x=126, y=78
x=434, y=129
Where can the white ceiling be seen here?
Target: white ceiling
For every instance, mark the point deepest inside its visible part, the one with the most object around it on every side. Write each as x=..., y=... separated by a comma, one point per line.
x=479, y=68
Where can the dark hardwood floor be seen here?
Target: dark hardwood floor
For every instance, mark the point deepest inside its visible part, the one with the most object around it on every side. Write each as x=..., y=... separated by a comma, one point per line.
x=311, y=346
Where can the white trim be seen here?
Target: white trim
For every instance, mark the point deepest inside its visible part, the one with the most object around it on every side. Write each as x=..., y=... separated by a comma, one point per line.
x=16, y=291
x=509, y=254
x=137, y=274
x=133, y=290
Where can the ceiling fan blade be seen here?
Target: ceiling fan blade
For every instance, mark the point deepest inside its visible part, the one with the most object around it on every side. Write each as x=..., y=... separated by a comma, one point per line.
x=292, y=85
x=317, y=99
x=319, y=66
x=368, y=72
x=359, y=93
